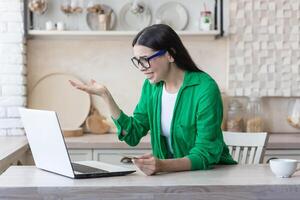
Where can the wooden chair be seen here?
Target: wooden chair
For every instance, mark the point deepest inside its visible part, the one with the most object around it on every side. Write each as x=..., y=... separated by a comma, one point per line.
x=246, y=148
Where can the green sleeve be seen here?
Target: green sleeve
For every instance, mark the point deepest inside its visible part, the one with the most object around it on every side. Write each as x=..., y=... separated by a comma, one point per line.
x=209, y=141
x=135, y=126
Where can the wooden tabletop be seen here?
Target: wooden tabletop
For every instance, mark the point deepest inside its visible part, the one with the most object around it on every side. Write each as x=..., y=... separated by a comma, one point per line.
x=222, y=182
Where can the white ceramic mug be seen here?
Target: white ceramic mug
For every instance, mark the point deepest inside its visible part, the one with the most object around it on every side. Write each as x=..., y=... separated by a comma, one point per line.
x=60, y=26
x=284, y=168
x=49, y=26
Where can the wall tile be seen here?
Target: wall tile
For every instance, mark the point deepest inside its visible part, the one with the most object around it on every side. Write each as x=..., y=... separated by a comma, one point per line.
x=12, y=66
x=268, y=34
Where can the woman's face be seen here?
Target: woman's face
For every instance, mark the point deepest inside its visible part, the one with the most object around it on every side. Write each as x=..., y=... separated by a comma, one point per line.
x=159, y=65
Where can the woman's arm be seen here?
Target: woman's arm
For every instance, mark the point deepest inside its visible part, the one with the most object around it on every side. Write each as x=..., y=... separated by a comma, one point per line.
x=130, y=129
x=97, y=89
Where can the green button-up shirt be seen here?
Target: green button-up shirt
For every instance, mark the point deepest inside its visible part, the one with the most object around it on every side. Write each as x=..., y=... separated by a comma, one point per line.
x=195, y=128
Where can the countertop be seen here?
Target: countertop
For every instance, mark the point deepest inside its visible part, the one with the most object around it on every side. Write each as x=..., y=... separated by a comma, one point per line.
x=222, y=182
x=109, y=140
x=14, y=146
x=11, y=148
x=285, y=141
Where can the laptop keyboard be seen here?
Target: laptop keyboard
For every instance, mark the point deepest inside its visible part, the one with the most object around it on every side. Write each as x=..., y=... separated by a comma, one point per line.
x=86, y=169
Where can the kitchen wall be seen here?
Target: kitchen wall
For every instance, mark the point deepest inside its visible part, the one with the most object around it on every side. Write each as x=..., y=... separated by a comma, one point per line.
x=12, y=66
x=264, y=48
x=107, y=60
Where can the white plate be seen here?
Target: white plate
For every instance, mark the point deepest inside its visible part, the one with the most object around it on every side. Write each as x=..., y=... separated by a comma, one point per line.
x=131, y=21
x=92, y=19
x=54, y=92
x=173, y=14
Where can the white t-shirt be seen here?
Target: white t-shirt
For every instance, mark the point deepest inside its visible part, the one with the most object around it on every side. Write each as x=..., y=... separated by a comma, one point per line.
x=167, y=107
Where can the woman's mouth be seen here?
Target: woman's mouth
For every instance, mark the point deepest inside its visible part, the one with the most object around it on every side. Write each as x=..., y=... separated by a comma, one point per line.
x=149, y=75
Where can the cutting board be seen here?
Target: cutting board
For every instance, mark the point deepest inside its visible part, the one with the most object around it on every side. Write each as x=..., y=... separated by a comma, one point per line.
x=54, y=92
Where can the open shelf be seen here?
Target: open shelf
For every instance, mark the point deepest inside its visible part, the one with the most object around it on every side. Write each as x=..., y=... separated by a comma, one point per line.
x=46, y=34
x=77, y=27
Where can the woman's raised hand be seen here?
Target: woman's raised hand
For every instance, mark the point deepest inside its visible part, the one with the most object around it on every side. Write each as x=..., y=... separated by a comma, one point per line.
x=92, y=87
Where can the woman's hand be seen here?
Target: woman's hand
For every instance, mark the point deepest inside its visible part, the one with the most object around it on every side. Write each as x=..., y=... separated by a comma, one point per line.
x=95, y=88
x=92, y=87
x=148, y=164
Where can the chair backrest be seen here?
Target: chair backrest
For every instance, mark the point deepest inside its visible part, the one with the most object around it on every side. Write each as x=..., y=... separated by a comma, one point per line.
x=246, y=148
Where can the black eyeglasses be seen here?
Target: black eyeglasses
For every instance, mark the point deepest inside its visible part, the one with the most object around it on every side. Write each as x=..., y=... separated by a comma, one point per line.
x=143, y=63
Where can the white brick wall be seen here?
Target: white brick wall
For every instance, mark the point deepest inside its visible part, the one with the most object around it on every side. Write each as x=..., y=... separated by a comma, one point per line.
x=12, y=67
x=265, y=43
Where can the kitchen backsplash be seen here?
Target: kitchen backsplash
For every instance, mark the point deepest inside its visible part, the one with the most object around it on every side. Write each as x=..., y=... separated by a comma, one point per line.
x=108, y=61
x=264, y=48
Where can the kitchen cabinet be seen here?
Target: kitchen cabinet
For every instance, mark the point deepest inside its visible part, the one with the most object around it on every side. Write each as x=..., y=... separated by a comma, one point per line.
x=283, y=145
x=81, y=154
x=112, y=156
x=281, y=153
x=13, y=151
x=109, y=149
x=106, y=148
x=115, y=156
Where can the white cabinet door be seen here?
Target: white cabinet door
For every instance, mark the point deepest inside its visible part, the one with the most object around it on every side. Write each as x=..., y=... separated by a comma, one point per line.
x=115, y=156
x=290, y=154
x=80, y=154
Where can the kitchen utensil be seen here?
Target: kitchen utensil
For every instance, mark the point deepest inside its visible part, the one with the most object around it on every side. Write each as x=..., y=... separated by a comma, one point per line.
x=54, y=92
x=72, y=132
x=134, y=21
x=94, y=23
x=173, y=14
x=96, y=123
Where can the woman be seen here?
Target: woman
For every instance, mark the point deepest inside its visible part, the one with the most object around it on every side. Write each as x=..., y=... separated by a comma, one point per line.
x=180, y=105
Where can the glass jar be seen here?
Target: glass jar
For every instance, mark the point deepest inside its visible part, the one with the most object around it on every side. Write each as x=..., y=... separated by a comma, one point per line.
x=235, y=118
x=254, y=116
x=205, y=20
x=294, y=113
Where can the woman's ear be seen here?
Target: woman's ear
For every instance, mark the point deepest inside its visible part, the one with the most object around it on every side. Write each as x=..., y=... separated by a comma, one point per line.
x=170, y=58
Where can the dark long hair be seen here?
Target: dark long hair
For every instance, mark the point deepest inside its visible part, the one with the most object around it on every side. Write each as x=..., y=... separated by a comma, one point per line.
x=163, y=37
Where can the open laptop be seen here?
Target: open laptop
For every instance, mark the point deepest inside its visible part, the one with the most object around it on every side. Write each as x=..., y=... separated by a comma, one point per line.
x=50, y=152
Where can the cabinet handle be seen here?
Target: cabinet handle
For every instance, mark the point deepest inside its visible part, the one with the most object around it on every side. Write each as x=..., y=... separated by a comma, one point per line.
x=126, y=160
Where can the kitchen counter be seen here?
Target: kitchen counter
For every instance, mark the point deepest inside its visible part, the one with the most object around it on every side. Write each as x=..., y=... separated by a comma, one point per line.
x=284, y=141
x=222, y=182
x=11, y=144
x=276, y=141
x=109, y=140
x=11, y=149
